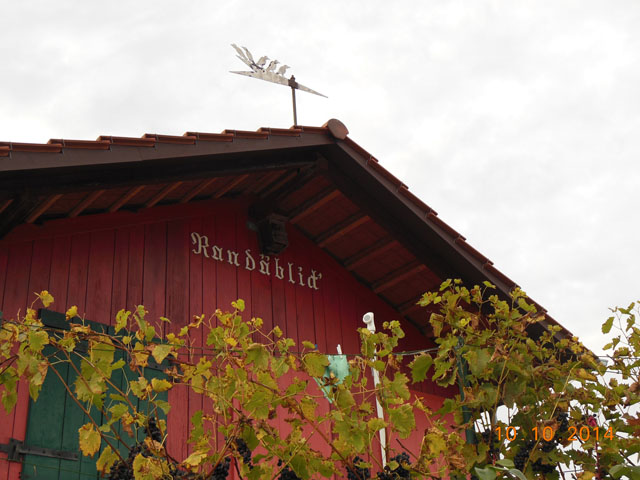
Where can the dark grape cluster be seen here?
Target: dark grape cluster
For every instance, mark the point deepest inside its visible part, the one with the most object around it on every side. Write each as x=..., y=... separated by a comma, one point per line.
x=520, y=460
x=492, y=441
x=153, y=431
x=563, y=420
x=221, y=471
x=286, y=473
x=540, y=467
x=244, y=452
x=123, y=470
x=399, y=473
x=358, y=473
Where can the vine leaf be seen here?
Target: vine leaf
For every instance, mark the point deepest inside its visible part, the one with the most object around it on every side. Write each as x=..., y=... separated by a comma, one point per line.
x=106, y=460
x=160, y=385
x=89, y=439
x=606, y=326
x=161, y=351
x=419, y=367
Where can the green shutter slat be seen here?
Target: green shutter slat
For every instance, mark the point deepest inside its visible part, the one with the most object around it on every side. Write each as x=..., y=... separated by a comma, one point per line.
x=46, y=420
x=55, y=418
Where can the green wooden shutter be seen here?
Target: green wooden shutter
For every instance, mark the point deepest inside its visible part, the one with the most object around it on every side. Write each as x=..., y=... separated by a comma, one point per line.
x=55, y=418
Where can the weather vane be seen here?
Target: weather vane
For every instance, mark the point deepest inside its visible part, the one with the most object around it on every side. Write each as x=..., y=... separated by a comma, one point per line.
x=270, y=74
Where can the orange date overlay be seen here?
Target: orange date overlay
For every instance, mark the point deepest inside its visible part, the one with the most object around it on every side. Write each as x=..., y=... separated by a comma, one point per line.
x=547, y=433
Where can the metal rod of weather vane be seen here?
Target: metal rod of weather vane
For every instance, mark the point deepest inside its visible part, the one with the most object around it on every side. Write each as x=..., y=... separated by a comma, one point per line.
x=293, y=84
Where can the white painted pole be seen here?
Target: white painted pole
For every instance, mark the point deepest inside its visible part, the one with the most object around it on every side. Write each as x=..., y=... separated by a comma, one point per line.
x=371, y=326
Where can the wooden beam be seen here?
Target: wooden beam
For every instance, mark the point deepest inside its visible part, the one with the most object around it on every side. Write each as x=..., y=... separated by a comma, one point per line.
x=125, y=198
x=341, y=229
x=397, y=276
x=313, y=204
x=410, y=306
x=43, y=207
x=229, y=186
x=270, y=202
x=368, y=253
x=195, y=191
x=161, y=194
x=273, y=186
x=88, y=200
x=5, y=204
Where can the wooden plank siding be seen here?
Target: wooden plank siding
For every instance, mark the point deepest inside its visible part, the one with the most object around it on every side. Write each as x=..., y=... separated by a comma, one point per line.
x=102, y=266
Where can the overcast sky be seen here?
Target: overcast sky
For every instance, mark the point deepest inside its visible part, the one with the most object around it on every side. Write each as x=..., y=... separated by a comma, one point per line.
x=518, y=122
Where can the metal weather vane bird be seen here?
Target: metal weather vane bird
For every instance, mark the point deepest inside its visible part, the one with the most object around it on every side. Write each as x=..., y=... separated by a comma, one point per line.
x=270, y=74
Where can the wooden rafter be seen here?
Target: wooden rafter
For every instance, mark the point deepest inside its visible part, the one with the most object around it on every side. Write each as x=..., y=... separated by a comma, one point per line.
x=42, y=208
x=229, y=186
x=4, y=204
x=341, y=229
x=125, y=198
x=397, y=276
x=276, y=184
x=161, y=194
x=378, y=248
x=410, y=306
x=199, y=188
x=86, y=201
x=313, y=204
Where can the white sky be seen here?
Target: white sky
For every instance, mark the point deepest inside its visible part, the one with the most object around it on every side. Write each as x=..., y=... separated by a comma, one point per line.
x=518, y=122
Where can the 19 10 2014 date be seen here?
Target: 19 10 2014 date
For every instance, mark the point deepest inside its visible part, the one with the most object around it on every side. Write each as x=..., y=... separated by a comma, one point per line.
x=547, y=433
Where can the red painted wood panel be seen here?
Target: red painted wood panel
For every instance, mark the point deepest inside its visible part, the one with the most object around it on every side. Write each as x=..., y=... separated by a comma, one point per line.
x=120, y=273
x=196, y=284
x=40, y=269
x=136, y=267
x=78, y=271
x=16, y=298
x=177, y=310
x=100, y=276
x=155, y=269
x=226, y=273
x=59, y=276
x=4, y=258
x=244, y=275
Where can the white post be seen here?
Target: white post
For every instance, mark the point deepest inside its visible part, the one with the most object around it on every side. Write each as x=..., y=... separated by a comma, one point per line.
x=371, y=326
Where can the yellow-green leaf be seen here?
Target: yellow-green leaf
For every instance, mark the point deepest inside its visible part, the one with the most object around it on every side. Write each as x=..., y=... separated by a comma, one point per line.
x=106, y=460
x=89, y=439
x=258, y=355
x=315, y=363
x=72, y=313
x=139, y=387
x=195, y=458
x=122, y=318
x=45, y=298
x=309, y=406
x=420, y=366
x=38, y=339
x=403, y=420
x=118, y=410
x=160, y=385
x=148, y=468
x=238, y=305
x=161, y=351
x=375, y=424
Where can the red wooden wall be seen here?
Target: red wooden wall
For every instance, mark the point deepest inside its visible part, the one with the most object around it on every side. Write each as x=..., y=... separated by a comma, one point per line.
x=104, y=263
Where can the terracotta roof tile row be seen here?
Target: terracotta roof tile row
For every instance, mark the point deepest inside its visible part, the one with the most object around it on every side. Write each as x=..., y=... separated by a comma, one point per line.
x=104, y=142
